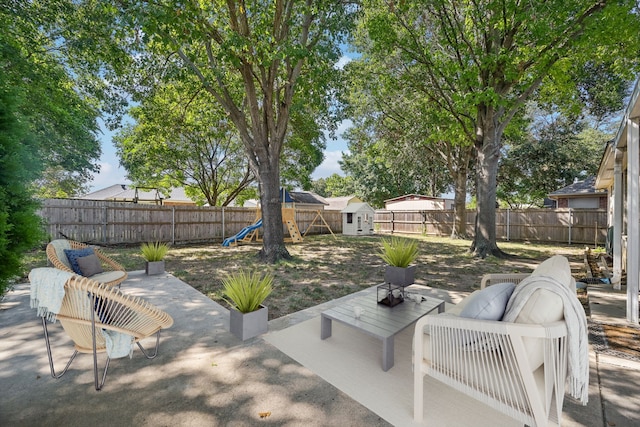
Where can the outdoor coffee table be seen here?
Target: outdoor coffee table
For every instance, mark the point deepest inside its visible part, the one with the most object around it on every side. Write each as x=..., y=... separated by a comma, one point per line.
x=379, y=321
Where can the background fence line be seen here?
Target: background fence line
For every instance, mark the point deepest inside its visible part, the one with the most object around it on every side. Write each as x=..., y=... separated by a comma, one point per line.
x=563, y=225
x=112, y=223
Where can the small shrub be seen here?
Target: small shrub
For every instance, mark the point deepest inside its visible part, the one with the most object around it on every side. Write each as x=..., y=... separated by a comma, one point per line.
x=246, y=291
x=154, y=251
x=399, y=252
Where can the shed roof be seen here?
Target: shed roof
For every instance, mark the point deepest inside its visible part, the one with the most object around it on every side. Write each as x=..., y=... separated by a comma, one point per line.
x=356, y=207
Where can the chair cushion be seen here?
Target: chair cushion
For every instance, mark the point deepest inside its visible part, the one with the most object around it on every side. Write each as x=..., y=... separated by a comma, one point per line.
x=489, y=303
x=89, y=265
x=108, y=276
x=74, y=254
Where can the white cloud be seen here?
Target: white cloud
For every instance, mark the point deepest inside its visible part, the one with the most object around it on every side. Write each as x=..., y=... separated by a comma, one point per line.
x=329, y=166
x=108, y=175
x=344, y=60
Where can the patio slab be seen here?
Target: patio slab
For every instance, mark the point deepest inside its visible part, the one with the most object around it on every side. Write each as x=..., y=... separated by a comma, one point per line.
x=203, y=375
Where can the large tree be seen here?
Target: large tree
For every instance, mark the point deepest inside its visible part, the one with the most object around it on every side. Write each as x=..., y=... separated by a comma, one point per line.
x=260, y=60
x=421, y=141
x=180, y=139
x=480, y=62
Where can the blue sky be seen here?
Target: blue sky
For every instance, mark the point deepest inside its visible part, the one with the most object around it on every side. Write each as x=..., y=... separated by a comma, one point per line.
x=112, y=173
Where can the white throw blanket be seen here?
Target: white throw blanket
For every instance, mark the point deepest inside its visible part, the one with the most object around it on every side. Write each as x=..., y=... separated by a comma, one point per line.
x=47, y=291
x=576, y=321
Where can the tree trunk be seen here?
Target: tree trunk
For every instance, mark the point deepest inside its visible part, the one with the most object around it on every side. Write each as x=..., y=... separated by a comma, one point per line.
x=460, y=174
x=273, y=247
x=487, y=155
x=459, y=229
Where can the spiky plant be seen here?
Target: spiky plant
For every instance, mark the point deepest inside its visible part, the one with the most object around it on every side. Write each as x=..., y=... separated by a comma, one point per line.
x=154, y=251
x=246, y=291
x=399, y=252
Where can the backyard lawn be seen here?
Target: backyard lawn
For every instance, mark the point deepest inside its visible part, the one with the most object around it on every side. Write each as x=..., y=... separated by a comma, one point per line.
x=324, y=268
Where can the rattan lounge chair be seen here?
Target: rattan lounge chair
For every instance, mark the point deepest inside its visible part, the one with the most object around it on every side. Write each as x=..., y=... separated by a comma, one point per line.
x=90, y=309
x=113, y=273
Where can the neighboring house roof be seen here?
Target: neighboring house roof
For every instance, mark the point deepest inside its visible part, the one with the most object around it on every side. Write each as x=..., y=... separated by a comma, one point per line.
x=339, y=203
x=584, y=188
x=357, y=207
x=122, y=193
x=412, y=197
x=307, y=197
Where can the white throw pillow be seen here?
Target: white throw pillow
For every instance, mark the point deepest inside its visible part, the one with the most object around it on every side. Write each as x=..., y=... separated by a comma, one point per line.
x=489, y=303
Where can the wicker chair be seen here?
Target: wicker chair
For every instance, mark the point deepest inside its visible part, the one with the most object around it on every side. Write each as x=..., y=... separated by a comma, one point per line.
x=113, y=273
x=90, y=309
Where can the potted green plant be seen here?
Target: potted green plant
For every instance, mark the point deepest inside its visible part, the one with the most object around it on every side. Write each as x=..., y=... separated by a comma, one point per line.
x=399, y=254
x=245, y=292
x=154, y=254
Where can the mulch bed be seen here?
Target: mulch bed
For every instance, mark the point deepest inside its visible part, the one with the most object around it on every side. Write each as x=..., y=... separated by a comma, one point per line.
x=616, y=340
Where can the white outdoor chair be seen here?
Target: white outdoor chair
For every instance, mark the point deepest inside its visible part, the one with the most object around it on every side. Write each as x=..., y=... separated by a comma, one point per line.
x=517, y=368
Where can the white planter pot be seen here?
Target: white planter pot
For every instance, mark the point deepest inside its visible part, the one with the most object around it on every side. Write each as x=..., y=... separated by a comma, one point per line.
x=249, y=325
x=400, y=276
x=154, y=267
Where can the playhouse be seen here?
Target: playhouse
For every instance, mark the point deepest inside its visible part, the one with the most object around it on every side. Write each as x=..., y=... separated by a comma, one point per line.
x=357, y=219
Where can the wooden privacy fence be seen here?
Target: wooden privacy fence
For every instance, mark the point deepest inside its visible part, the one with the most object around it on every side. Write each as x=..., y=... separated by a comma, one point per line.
x=571, y=226
x=110, y=223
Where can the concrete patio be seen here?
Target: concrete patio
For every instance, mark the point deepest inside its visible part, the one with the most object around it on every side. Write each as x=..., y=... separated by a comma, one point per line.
x=205, y=376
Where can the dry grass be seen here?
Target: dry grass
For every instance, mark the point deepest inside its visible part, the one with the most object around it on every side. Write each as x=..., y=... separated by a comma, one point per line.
x=324, y=268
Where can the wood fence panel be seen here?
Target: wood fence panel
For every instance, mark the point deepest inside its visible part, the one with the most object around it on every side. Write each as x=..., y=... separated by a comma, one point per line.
x=105, y=222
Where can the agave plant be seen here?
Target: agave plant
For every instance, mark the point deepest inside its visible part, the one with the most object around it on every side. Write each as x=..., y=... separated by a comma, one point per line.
x=154, y=251
x=399, y=252
x=246, y=291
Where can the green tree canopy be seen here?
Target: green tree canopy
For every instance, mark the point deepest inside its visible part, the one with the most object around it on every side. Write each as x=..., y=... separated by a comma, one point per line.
x=261, y=61
x=481, y=61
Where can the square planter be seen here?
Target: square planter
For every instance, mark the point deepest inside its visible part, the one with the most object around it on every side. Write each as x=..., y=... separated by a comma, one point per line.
x=249, y=325
x=400, y=276
x=154, y=267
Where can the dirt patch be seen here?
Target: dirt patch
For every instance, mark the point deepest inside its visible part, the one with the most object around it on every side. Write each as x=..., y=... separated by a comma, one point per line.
x=623, y=338
x=324, y=268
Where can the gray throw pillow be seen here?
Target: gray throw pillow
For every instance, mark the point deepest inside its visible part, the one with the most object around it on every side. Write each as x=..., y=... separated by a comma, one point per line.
x=490, y=303
x=89, y=265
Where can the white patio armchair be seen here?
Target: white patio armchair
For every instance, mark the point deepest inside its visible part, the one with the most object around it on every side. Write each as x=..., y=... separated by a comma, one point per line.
x=517, y=365
x=493, y=367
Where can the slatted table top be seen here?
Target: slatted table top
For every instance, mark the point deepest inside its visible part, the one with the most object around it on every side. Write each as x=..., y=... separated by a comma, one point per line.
x=380, y=320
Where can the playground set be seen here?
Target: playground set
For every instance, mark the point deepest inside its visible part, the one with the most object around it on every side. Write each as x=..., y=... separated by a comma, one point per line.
x=252, y=232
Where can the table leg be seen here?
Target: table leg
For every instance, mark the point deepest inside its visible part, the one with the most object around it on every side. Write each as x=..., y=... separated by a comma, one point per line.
x=441, y=307
x=325, y=327
x=387, y=353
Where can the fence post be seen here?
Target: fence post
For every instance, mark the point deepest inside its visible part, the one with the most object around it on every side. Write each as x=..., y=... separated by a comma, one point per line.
x=508, y=224
x=173, y=225
x=104, y=224
x=223, y=232
x=570, y=222
x=393, y=225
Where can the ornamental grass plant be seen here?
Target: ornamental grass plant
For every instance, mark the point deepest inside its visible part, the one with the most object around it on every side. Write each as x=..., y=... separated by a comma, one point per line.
x=399, y=252
x=152, y=252
x=245, y=291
